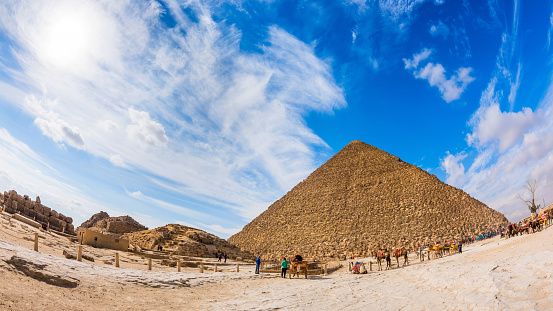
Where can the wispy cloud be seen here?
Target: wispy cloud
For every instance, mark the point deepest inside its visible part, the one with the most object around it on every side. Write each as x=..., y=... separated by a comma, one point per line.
x=550, y=31
x=184, y=104
x=451, y=88
x=439, y=30
x=25, y=171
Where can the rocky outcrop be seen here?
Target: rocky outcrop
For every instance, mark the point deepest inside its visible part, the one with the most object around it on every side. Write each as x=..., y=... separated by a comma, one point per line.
x=15, y=203
x=185, y=241
x=361, y=199
x=102, y=222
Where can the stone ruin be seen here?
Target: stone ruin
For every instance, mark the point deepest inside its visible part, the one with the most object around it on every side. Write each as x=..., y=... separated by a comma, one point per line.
x=360, y=200
x=185, y=241
x=114, y=226
x=15, y=203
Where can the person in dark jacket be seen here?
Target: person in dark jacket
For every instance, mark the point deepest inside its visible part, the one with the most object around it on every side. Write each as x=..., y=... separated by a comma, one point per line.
x=257, y=264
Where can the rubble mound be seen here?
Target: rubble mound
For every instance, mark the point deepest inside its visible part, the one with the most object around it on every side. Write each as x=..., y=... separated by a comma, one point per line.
x=116, y=226
x=35, y=210
x=185, y=241
x=362, y=199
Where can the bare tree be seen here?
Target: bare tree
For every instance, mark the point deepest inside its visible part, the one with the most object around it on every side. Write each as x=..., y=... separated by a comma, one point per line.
x=531, y=203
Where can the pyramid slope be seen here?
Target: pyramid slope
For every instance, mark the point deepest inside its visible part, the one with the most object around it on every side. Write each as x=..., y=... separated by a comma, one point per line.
x=361, y=199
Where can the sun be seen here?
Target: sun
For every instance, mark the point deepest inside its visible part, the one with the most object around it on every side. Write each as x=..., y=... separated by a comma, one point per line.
x=72, y=36
x=66, y=41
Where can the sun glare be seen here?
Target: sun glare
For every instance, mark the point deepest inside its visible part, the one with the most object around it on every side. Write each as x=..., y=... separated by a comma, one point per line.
x=66, y=41
x=73, y=36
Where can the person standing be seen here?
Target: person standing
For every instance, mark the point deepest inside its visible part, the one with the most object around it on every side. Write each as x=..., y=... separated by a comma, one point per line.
x=284, y=266
x=257, y=264
x=226, y=256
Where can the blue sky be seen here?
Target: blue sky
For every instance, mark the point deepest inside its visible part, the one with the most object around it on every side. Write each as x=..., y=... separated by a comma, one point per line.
x=205, y=112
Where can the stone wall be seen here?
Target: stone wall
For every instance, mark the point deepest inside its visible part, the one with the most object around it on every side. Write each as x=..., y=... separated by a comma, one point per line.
x=15, y=203
x=360, y=200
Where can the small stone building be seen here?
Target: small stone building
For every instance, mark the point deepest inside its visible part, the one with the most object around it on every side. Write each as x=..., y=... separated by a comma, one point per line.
x=97, y=239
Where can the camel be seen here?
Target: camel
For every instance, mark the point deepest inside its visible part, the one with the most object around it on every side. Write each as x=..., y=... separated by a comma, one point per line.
x=388, y=260
x=400, y=252
x=296, y=267
x=383, y=254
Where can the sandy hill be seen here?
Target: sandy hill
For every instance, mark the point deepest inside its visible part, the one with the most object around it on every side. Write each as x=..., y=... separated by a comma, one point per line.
x=186, y=241
x=116, y=226
x=361, y=199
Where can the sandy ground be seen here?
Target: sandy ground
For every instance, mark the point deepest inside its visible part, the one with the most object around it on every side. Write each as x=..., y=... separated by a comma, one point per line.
x=513, y=274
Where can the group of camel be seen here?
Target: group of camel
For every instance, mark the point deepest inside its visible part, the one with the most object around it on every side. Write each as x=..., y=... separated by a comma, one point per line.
x=385, y=254
x=437, y=251
x=530, y=226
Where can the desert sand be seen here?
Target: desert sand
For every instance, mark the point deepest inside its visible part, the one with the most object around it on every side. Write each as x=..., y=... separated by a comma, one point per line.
x=495, y=274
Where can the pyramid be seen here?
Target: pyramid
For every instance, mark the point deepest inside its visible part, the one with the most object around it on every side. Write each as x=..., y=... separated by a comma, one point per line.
x=361, y=199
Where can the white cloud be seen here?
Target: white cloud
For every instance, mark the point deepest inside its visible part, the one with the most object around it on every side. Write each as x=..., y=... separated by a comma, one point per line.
x=514, y=88
x=452, y=88
x=417, y=58
x=490, y=124
x=454, y=169
x=144, y=130
x=117, y=160
x=511, y=148
x=53, y=126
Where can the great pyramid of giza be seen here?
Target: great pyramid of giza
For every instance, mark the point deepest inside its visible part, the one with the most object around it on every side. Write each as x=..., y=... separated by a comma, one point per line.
x=361, y=199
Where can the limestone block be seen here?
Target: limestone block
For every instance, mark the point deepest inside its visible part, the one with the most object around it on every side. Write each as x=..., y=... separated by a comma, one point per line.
x=46, y=211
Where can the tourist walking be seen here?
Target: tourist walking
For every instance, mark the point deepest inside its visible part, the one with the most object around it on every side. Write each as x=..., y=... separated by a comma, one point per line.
x=257, y=264
x=284, y=266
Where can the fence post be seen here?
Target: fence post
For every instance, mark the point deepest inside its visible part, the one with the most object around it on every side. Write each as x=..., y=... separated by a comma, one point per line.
x=149, y=263
x=325, y=269
x=36, y=242
x=117, y=260
x=80, y=253
x=237, y=268
x=201, y=268
x=370, y=266
x=215, y=267
x=178, y=266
